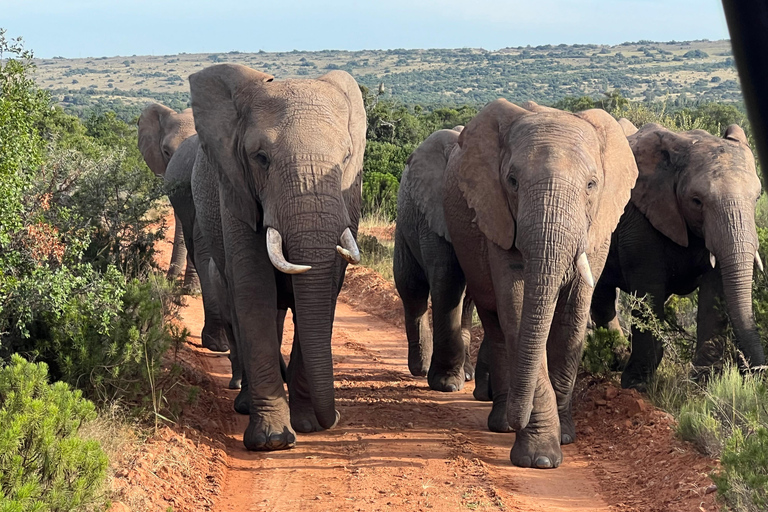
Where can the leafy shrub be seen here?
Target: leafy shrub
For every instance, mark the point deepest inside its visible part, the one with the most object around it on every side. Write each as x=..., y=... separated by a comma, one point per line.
x=605, y=351
x=743, y=480
x=380, y=194
x=44, y=464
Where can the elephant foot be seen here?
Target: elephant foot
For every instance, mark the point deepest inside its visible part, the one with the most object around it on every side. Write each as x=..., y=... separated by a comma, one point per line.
x=469, y=370
x=192, y=286
x=635, y=380
x=497, y=419
x=567, y=428
x=269, y=433
x=540, y=450
x=243, y=401
x=446, y=381
x=303, y=419
x=214, y=338
x=482, y=392
x=236, y=382
x=417, y=365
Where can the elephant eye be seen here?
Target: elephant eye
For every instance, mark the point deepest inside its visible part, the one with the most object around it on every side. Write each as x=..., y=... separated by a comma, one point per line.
x=591, y=185
x=166, y=152
x=346, y=158
x=696, y=201
x=262, y=159
x=512, y=181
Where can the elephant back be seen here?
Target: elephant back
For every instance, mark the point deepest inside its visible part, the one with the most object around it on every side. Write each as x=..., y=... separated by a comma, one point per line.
x=422, y=182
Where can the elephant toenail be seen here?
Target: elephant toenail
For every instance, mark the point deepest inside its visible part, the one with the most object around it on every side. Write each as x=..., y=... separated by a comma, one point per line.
x=566, y=439
x=543, y=462
x=467, y=377
x=451, y=388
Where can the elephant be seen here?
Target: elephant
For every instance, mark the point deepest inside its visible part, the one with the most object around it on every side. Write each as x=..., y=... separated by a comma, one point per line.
x=690, y=224
x=168, y=143
x=277, y=184
x=531, y=198
x=425, y=264
x=161, y=131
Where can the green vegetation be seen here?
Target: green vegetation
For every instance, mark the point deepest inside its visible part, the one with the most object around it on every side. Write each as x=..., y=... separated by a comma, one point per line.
x=79, y=291
x=45, y=465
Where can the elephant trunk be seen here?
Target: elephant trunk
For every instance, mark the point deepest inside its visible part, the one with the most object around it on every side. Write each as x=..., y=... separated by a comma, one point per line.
x=315, y=302
x=312, y=220
x=550, y=242
x=735, y=245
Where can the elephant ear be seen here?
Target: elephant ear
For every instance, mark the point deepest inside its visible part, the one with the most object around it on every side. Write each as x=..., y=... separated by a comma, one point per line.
x=479, y=170
x=627, y=127
x=219, y=94
x=151, y=136
x=734, y=132
x=424, y=176
x=619, y=175
x=358, y=125
x=658, y=152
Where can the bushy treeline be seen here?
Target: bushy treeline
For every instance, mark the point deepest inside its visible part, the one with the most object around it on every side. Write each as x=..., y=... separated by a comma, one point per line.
x=80, y=301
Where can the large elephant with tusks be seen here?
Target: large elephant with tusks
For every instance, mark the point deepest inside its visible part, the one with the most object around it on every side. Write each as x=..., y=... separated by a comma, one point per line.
x=277, y=189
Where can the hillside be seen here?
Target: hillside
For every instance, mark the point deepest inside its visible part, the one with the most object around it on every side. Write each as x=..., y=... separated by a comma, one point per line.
x=701, y=70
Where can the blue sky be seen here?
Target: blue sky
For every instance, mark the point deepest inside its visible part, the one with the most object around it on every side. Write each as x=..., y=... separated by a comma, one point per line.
x=94, y=28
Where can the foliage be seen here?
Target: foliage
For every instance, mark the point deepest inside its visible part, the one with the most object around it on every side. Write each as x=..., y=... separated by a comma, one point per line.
x=44, y=464
x=605, y=351
x=743, y=481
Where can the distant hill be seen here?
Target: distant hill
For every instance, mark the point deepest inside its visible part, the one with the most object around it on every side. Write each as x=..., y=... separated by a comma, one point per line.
x=644, y=70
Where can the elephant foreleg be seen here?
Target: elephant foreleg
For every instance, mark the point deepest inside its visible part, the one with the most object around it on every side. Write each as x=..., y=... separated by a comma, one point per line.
x=191, y=278
x=303, y=417
x=254, y=295
x=412, y=285
x=604, y=301
x=446, y=370
x=564, y=347
x=496, y=346
x=647, y=350
x=711, y=323
x=483, y=389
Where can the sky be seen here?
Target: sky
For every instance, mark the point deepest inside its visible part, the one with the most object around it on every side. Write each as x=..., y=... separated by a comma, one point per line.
x=97, y=28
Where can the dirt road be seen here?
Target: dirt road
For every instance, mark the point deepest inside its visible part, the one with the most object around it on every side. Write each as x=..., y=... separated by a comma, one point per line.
x=401, y=447
x=398, y=445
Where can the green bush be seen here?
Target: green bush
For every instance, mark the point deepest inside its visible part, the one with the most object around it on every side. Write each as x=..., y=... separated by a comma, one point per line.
x=44, y=465
x=380, y=195
x=742, y=482
x=605, y=351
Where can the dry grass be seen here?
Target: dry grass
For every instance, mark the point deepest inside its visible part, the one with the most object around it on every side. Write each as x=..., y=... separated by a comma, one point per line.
x=377, y=244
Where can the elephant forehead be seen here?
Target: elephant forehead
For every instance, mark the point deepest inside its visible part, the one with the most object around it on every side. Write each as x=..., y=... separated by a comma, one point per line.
x=553, y=141
x=300, y=101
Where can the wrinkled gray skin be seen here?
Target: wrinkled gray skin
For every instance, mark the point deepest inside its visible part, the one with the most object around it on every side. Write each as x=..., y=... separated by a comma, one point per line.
x=425, y=264
x=285, y=155
x=161, y=131
x=168, y=143
x=529, y=195
x=695, y=196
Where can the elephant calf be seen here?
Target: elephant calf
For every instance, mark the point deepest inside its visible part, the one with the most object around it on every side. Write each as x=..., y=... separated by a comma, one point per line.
x=530, y=200
x=425, y=263
x=689, y=224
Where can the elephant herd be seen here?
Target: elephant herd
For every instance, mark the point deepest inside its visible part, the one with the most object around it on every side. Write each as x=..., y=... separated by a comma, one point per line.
x=531, y=215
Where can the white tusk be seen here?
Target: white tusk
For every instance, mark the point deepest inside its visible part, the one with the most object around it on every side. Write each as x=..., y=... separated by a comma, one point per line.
x=758, y=261
x=348, y=248
x=712, y=260
x=586, y=272
x=275, y=252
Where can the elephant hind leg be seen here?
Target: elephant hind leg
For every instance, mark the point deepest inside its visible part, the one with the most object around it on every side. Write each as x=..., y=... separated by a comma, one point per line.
x=467, y=309
x=413, y=287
